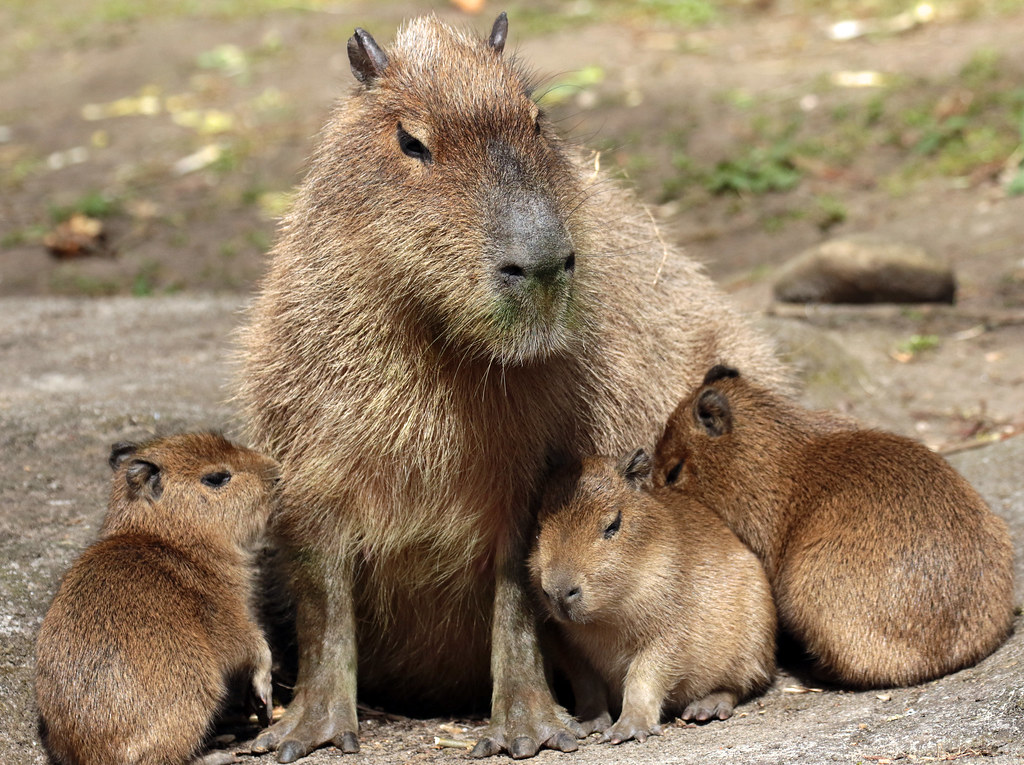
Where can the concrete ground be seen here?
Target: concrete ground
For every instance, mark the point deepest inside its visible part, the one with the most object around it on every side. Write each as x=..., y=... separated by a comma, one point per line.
x=79, y=374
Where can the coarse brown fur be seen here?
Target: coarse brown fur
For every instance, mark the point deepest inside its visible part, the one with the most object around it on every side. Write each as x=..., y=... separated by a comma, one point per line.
x=656, y=593
x=153, y=620
x=412, y=396
x=885, y=563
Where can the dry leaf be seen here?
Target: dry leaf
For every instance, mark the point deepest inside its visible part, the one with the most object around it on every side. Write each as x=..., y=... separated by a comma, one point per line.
x=76, y=237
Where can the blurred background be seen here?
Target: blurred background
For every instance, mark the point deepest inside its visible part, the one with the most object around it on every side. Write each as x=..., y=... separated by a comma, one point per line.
x=148, y=147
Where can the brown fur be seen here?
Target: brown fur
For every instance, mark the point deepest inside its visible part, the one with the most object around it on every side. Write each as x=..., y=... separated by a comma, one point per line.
x=151, y=622
x=656, y=593
x=412, y=401
x=885, y=563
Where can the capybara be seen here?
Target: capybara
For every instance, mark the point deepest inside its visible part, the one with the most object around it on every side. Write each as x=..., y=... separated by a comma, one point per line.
x=886, y=565
x=154, y=620
x=457, y=300
x=655, y=592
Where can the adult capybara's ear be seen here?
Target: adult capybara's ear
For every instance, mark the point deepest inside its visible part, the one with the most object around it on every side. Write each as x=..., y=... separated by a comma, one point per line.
x=498, y=33
x=367, y=59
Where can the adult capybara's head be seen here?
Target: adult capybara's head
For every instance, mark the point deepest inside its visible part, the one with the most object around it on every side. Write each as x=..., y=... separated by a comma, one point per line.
x=449, y=195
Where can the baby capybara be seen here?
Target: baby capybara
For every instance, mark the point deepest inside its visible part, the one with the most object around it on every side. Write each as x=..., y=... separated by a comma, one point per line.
x=655, y=592
x=885, y=563
x=154, y=620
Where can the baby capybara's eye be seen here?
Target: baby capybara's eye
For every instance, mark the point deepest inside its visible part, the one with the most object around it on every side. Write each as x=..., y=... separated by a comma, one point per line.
x=673, y=475
x=613, y=527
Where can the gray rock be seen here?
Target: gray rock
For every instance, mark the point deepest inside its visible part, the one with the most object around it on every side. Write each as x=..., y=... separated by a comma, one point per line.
x=826, y=371
x=860, y=270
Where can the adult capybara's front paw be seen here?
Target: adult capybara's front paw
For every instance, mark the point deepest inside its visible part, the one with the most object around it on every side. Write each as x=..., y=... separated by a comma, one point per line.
x=521, y=729
x=306, y=727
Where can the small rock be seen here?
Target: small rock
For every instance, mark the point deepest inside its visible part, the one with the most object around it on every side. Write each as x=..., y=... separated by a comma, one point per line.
x=864, y=271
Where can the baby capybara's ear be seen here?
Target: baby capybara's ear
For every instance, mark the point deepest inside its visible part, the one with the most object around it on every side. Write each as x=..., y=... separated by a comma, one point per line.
x=636, y=468
x=713, y=413
x=144, y=481
x=719, y=372
x=120, y=451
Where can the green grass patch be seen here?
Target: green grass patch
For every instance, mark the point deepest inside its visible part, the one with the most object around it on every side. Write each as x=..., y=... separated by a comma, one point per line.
x=828, y=211
x=1016, y=186
x=64, y=283
x=94, y=204
x=759, y=170
x=685, y=13
x=919, y=343
x=146, y=279
x=27, y=235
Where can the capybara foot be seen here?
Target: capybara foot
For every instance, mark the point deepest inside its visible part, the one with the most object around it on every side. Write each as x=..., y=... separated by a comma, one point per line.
x=298, y=733
x=714, y=706
x=522, y=729
x=598, y=724
x=628, y=727
x=259, y=699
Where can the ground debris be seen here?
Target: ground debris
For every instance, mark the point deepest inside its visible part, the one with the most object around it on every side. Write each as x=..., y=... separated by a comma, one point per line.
x=78, y=236
x=940, y=754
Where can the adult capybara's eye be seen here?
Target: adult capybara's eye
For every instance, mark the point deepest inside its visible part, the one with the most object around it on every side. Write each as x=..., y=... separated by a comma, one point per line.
x=413, y=147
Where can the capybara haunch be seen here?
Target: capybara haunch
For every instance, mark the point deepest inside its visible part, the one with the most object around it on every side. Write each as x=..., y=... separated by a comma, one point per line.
x=886, y=565
x=154, y=620
x=456, y=299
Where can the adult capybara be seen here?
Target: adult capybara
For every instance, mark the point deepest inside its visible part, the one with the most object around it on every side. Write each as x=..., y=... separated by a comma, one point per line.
x=456, y=298
x=153, y=621
x=886, y=565
x=656, y=594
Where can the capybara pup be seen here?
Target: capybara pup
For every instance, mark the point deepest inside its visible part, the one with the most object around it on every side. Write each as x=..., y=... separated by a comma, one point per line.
x=655, y=592
x=458, y=298
x=885, y=563
x=154, y=619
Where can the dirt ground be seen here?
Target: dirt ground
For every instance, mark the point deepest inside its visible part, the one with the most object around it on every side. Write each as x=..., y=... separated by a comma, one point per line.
x=181, y=135
x=81, y=373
